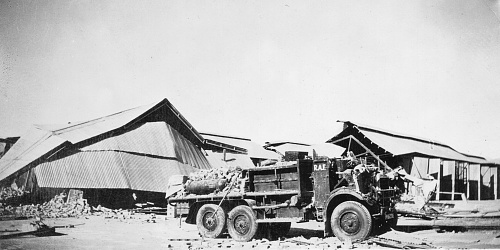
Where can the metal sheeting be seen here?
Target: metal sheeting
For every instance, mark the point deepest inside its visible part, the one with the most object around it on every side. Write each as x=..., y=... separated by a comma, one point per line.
x=81, y=131
x=152, y=138
x=328, y=149
x=187, y=152
x=232, y=160
x=155, y=138
x=110, y=170
x=254, y=149
x=83, y=170
x=141, y=159
x=31, y=146
x=291, y=146
x=398, y=144
x=401, y=146
x=42, y=139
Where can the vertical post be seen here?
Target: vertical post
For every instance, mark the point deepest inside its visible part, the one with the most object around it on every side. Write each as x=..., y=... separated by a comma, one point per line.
x=495, y=182
x=453, y=177
x=479, y=183
x=468, y=181
x=438, y=188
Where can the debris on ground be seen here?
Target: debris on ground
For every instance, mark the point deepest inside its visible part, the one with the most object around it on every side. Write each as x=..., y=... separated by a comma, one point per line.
x=57, y=207
x=9, y=193
x=36, y=227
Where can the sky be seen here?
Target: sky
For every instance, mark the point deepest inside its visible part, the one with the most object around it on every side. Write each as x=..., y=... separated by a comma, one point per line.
x=264, y=70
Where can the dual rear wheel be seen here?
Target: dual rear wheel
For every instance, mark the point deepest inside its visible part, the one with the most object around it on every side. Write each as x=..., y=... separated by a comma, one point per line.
x=241, y=223
x=349, y=220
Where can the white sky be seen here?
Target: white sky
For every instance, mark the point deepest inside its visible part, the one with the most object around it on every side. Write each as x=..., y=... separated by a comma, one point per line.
x=265, y=70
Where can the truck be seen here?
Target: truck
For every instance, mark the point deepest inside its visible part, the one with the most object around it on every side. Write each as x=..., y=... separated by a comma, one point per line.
x=348, y=196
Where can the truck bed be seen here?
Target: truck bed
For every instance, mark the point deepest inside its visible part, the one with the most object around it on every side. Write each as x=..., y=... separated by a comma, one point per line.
x=231, y=196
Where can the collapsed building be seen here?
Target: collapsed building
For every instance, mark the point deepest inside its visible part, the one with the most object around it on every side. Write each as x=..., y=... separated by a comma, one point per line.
x=459, y=175
x=129, y=156
x=220, y=156
x=116, y=160
x=290, y=151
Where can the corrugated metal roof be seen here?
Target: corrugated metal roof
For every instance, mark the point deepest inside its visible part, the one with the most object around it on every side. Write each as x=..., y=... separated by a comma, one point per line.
x=150, y=138
x=41, y=139
x=284, y=147
x=232, y=160
x=154, y=138
x=397, y=144
x=282, y=142
x=254, y=149
x=110, y=170
x=31, y=146
x=78, y=132
x=215, y=145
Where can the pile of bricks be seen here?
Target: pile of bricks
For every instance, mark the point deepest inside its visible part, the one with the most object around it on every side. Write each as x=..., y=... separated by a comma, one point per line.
x=9, y=193
x=57, y=207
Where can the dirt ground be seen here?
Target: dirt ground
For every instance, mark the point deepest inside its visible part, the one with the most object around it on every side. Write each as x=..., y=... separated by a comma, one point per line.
x=134, y=231
x=142, y=232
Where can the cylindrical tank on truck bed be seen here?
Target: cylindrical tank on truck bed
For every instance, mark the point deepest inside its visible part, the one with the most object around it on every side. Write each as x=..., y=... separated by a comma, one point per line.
x=206, y=186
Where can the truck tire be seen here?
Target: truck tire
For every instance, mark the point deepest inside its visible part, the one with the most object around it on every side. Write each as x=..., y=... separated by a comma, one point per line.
x=242, y=223
x=351, y=220
x=211, y=224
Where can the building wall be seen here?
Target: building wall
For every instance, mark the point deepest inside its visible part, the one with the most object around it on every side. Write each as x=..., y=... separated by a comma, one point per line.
x=474, y=180
x=456, y=178
x=488, y=181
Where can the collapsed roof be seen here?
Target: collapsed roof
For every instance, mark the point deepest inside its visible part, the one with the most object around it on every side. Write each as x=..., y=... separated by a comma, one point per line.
x=253, y=150
x=137, y=148
x=385, y=143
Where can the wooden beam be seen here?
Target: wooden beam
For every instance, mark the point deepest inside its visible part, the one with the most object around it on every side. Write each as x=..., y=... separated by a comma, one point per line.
x=371, y=153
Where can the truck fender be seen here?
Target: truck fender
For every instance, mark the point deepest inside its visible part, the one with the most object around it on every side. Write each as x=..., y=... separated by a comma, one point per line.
x=336, y=197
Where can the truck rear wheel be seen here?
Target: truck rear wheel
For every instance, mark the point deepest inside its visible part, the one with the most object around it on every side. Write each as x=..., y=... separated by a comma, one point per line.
x=242, y=223
x=211, y=221
x=351, y=220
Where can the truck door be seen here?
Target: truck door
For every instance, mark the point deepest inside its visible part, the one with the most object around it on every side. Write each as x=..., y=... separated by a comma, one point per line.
x=324, y=178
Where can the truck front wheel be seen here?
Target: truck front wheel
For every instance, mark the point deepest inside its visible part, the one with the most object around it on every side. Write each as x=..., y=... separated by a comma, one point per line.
x=351, y=220
x=211, y=221
x=242, y=223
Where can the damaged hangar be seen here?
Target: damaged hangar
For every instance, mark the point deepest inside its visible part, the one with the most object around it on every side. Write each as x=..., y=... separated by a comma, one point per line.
x=117, y=160
x=459, y=175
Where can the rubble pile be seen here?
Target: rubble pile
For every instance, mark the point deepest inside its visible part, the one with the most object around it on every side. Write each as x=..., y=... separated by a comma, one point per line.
x=8, y=193
x=57, y=207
